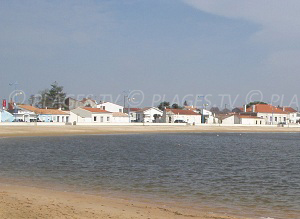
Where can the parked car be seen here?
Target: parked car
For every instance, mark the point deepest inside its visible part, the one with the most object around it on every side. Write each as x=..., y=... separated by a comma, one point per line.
x=179, y=121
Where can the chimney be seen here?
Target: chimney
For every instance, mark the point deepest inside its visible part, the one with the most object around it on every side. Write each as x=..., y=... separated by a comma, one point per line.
x=253, y=108
x=284, y=108
x=245, y=108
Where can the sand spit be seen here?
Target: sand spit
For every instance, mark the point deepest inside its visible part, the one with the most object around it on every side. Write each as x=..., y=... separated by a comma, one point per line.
x=10, y=131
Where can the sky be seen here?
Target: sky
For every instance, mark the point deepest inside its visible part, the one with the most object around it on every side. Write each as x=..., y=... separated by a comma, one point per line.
x=218, y=52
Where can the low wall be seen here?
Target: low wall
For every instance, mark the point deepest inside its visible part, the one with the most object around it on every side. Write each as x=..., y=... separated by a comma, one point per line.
x=131, y=124
x=32, y=123
x=137, y=124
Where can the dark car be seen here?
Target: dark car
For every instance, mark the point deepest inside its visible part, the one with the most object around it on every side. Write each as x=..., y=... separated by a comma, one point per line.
x=179, y=121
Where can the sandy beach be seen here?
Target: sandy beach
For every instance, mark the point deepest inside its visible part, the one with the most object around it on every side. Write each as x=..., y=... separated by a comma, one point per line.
x=10, y=131
x=29, y=202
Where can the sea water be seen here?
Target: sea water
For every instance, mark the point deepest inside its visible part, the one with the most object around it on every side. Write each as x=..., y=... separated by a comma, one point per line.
x=252, y=174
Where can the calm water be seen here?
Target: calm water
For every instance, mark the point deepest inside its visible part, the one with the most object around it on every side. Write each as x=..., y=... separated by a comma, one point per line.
x=253, y=174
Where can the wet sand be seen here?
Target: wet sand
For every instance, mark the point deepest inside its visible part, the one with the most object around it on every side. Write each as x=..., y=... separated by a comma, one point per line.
x=29, y=202
x=10, y=131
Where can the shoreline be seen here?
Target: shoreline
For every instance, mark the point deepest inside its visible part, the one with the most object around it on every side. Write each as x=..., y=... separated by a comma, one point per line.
x=30, y=202
x=14, y=131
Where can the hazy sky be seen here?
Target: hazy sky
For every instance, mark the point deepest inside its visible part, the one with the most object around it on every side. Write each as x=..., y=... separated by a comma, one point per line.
x=178, y=48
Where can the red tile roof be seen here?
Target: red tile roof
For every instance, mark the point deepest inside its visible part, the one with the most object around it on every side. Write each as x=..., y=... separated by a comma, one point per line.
x=289, y=109
x=265, y=108
x=182, y=112
x=132, y=109
x=95, y=110
x=43, y=111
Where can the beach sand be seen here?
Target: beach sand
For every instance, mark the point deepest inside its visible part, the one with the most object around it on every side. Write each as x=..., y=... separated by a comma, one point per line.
x=10, y=131
x=29, y=202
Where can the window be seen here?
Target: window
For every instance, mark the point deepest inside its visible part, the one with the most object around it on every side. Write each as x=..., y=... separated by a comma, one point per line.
x=275, y=119
x=284, y=118
x=256, y=122
x=107, y=119
x=120, y=110
x=260, y=122
x=103, y=107
x=101, y=118
x=67, y=118
x=95, y=118
x=63, y=119
x=58, y=119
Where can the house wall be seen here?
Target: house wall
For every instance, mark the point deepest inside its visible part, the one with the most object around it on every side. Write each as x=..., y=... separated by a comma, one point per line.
x=148, y=115
x=277, y=118
x=24, y=115
x=187, y=118
x=294, y=117
x=231, y=120
x=111, y=107
x=80, y=115
x=54, y=118
x=252, y=121
x=6, y=116
x=101, y=118
x=120, y=119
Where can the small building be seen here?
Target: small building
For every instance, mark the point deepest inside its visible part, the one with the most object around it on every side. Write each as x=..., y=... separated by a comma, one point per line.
x=294, y=115
x=52, y=115
x=90, y=115
x=251, y=120
x=27, y=113
x=24, y=113
x=271, y=114
x=6, y=116
x=120, y=117
x=149, y=114
x=111, y=107
x=132, y=112
x=181, y=116
x=228, y=119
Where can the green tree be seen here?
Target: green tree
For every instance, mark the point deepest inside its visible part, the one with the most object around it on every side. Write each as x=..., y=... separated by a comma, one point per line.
x=56, y=95
x=164, y=105
x=254, y=103
x=176, y=106
x=42, y=99
x=31, y=100
x=52, y=98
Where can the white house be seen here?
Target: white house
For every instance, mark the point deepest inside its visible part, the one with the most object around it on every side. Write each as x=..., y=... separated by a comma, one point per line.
x=25, y=113
x=149, y=114
x=29, y=113
x=111, y=107
x=208, y=117
x=271, y=114
x=294, y=116
x=181, y=116
x=228, y=119
x=52, y=115
x=132, y=112
x=90, y=115
x=120, y=117
x=251, y=120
